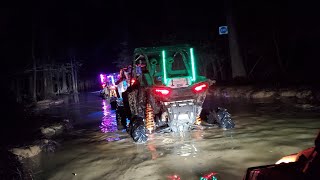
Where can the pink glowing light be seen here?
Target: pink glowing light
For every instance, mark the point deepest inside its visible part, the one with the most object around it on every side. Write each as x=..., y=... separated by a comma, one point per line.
x=102, y=78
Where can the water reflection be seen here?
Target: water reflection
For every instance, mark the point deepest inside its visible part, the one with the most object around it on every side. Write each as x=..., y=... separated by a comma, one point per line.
x=177, y=144
x=185, y=145
x=174, y=177
x=151, y=145
x=115, y=137
x=109, y=123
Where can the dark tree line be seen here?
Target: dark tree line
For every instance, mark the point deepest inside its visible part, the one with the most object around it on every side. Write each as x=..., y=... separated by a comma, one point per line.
x=45, y=80
x=268, y=41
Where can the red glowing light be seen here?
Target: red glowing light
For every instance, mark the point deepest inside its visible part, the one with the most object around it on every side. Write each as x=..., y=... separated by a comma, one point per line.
x=200, y=87
x=164, y=91
x=209, y=176
x=174, y=177
x=133, y=81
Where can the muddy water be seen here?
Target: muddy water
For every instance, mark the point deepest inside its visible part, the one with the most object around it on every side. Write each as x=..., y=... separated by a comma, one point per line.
x=265, y=131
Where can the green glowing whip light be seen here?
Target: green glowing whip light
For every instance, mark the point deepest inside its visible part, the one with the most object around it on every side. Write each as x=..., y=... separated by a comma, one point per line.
x=193, y=65
x=164, y=67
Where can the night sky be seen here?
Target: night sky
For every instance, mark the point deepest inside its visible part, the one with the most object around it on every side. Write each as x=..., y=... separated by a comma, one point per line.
x=91, y=31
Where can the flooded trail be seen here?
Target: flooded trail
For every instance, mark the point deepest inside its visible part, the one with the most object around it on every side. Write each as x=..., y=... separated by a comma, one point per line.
x=265, y=131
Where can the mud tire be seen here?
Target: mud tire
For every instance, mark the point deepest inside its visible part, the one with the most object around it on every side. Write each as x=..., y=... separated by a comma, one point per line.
x=139, y=134
x=224, y=119
x=137, y=130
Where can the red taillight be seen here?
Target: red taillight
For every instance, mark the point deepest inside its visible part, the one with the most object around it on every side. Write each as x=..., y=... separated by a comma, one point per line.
x=162, y=91
x=200, y=87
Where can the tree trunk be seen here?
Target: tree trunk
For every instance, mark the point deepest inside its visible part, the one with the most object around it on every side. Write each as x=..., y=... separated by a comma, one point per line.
x=34, y=93
x=30, y=86
x=76, y=77
x=73, y=77
x=70, y=84
x=58, y=82
x=221, y=70
x=236, y=58
x=50, y=82
x=202, y=70
x=215, y=69
x=45, y=84
x=64, y=81
x=18, y=91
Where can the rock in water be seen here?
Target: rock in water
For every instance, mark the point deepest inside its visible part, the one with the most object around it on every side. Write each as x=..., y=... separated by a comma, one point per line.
x=26, y=152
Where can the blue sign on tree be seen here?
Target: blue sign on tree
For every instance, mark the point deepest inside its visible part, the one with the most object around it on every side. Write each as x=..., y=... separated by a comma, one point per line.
x=223, y=30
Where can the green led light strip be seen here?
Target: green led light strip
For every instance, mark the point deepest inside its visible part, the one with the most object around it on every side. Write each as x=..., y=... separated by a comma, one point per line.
x=164, y=67
x=193, y=65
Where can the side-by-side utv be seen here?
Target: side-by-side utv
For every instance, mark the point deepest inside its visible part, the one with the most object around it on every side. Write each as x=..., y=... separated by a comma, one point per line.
x=165, y=90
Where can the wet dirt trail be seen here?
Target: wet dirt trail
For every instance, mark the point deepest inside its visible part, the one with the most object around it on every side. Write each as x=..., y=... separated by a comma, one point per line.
x=265, y=131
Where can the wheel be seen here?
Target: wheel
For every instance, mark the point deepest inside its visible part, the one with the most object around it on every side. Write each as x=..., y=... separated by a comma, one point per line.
x=139, y=134
x=212, y=117
x=137, y=130
x=224, y=119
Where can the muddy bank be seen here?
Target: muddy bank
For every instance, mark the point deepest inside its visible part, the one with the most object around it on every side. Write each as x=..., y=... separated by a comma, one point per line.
x=45, y=104
x=26, y=133
x=44, y=139
x=252, y=92
x=11, y=167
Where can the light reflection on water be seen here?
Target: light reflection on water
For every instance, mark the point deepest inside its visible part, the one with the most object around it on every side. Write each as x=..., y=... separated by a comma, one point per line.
x=180, y=144
x=116, y=137
x=109, y=123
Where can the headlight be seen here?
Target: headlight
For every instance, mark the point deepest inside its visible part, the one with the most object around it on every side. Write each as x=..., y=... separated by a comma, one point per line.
x=288, y=159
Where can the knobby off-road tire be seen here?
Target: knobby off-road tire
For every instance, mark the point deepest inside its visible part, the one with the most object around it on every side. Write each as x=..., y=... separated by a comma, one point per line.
x=137, y=130
x=221, y=117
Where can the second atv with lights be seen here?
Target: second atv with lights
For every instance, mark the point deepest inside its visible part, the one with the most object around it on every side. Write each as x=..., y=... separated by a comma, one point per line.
x=165, y=89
